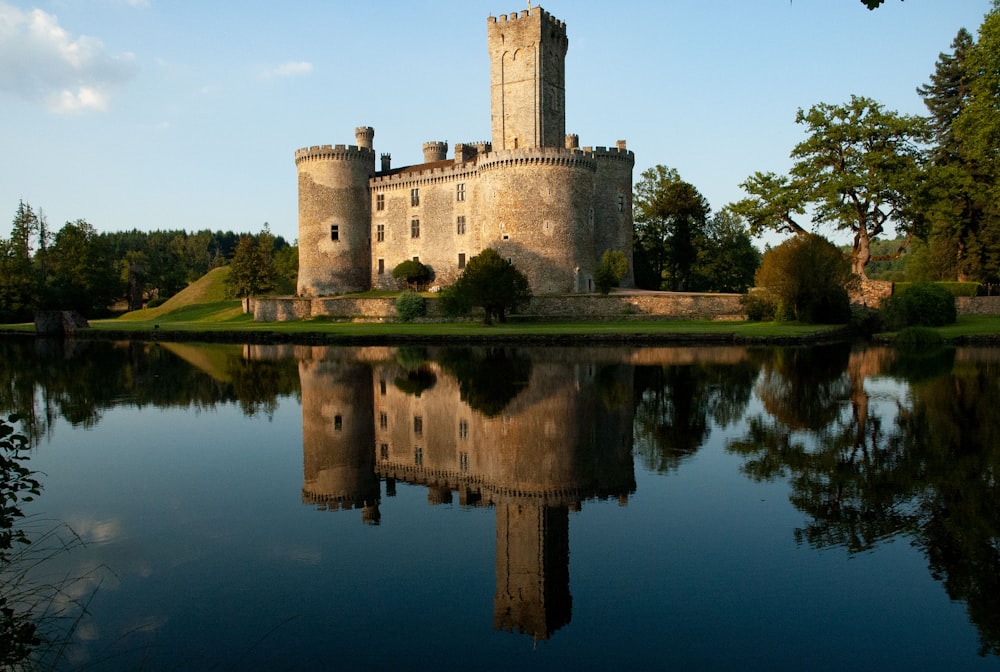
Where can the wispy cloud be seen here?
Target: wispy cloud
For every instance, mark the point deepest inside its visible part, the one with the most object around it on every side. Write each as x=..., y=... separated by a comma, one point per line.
x=43, y=63
x=288, y=69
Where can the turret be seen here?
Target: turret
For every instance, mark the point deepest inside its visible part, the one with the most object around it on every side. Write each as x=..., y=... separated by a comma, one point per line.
x=335, y=216
x=435, y=151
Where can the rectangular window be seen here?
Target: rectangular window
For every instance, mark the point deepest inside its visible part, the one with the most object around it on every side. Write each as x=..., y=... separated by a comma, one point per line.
x=379, y=232
x=381, y=266
x=621, y=203
x=383, y=420
x=334, y=232
x=463, y=462
x=381, y=382
x=414, y=197
x=418, y=425
x=460, y=191
x=463, y=429
x=338, y=423
x=415, y=228
x=383, y=451
x=418, y=456
x=460, y=225
x=461, y=259
x=380, y=201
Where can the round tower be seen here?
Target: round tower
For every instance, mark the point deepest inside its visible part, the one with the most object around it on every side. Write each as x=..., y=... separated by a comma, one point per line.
x=539, y=212
x=335, y=216
x=338, y=434
x=435, y=151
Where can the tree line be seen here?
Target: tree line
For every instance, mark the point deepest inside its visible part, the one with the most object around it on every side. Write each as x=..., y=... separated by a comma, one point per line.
x=79, y=268
x=929, y=184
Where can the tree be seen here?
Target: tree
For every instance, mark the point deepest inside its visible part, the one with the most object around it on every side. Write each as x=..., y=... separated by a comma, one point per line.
x=492, y=282
x=955, y=201
x=413, y=272
x=18, y=277
x=728, y=259
x=85, y=276
x=251, y=272
x=857, y=170
x=670, y=217
x=611, y=269
x=807, y=277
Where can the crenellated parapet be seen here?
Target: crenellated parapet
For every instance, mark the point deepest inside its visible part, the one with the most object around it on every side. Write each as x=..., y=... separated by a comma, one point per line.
x=547, y=19
x=334, y=153
x=539, y=156
x=419, y=175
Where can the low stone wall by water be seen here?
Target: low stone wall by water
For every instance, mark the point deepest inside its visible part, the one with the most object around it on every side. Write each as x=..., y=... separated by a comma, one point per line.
x=615, y=306
x=978, y=305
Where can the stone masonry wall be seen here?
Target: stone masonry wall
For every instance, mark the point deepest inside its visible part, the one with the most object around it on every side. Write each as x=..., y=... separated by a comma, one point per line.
x=622, y=306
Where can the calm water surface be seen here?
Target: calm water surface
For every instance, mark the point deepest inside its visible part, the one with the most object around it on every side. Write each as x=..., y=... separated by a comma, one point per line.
x=279, y=507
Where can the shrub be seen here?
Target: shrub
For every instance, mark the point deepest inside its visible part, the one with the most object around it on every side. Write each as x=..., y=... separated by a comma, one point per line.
x=760, y=306
x=154, y=302
x=410, y=306
x=453, y=303
x=807, y=277
x=918, y=339
x=413, y=272
x=926, y=304
x=492, y=282
x=610, y=271
x=956, y=288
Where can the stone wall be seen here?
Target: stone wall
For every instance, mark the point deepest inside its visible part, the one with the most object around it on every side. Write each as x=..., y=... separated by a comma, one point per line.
x=617, y=306
x=978, y=305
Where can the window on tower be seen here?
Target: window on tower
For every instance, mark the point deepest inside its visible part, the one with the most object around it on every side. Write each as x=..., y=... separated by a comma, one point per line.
x=415, y=228
x=460, y=225
x=334, y=232
x=380, y=201
x=460, y=192
x=414, y=197
x=379, y=232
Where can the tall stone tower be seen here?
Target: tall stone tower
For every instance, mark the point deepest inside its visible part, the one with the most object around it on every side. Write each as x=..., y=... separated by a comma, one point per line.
x=527, y=79
x=335, y=216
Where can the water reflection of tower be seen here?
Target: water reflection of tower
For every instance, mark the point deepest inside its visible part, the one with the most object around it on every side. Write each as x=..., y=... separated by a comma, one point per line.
x=564, y=438
x=338, y=433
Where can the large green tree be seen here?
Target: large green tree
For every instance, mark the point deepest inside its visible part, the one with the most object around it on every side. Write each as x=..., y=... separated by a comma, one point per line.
x=491, y=282
x=251, y=272
x=728, y=258
x=18, y=271
x=857, y=171
x=85, y=276
x=956, y=202
x=670, y=218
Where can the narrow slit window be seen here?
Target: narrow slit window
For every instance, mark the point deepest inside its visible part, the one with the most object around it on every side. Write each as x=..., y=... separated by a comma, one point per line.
x=335, y=232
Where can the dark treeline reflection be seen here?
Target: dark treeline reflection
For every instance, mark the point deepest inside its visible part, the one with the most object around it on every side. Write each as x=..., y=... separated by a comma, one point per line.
x=865, y=468
x=873, y=445
x=78, y=380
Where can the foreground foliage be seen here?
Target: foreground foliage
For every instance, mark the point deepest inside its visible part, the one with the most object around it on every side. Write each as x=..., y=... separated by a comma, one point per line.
x=806, y=279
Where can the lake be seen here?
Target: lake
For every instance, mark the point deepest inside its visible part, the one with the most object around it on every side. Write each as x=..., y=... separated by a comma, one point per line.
x=707, y=508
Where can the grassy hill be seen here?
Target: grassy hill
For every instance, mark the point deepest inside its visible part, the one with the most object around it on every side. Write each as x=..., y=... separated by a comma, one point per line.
x=204, y=300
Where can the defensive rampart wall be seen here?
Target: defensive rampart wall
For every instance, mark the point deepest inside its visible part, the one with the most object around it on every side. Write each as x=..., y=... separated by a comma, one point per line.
x=617, y=306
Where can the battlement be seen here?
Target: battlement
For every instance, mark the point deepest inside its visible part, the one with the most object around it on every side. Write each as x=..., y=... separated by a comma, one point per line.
x=546, y=18
x=553, y=156
x=438, y=171
x=334, y=153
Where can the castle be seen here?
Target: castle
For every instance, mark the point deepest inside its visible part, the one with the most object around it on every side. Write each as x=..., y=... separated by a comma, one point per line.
x=532, y=193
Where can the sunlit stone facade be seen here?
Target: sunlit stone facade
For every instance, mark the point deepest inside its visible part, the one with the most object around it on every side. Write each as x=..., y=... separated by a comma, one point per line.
x=532, y=193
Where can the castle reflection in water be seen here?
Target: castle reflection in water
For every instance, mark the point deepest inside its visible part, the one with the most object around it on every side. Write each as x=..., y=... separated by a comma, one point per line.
x=533, y=439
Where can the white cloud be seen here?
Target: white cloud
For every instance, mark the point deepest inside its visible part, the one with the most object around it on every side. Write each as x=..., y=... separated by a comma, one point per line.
x=288, y=69
x=42, y=63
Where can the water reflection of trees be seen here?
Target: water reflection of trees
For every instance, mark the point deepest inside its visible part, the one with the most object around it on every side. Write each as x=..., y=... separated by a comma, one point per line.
x=80, y=380
x=675, y=402
x=928, y=471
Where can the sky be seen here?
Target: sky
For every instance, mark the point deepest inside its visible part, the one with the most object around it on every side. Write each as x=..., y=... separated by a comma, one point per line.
x=185, y=114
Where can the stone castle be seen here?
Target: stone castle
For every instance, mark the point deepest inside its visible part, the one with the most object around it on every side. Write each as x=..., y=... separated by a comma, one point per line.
x=544, y=203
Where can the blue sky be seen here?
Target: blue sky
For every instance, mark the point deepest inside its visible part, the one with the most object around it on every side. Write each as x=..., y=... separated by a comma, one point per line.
x=185, y=114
